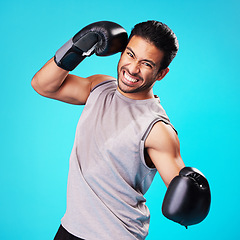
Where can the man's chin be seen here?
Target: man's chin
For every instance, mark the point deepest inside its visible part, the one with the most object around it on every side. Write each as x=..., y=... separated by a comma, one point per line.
x=126, y=89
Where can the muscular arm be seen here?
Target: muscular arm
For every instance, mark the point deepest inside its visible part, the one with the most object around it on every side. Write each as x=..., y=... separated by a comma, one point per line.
x=53, y=82
x=163, y=148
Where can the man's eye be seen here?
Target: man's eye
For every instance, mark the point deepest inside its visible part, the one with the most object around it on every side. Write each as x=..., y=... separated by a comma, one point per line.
x=129, y=54
x=147, y=64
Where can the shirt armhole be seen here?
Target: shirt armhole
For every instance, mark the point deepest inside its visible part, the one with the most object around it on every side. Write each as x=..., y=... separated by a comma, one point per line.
x=144, y=137
x=102, y=83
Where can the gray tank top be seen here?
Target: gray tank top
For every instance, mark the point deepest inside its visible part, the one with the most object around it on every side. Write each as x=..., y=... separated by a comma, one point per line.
x=108, y=175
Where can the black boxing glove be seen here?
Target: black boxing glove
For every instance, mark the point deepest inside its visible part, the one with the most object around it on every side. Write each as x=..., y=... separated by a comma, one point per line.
x=187, y=200
x=103, y=38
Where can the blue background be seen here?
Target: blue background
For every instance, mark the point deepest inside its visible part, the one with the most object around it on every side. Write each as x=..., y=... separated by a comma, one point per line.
x=200, y=95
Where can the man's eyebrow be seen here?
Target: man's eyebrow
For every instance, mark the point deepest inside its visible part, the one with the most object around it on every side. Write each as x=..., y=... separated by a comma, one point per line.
x=151, y=62
x=131, y=51
x=145, y=60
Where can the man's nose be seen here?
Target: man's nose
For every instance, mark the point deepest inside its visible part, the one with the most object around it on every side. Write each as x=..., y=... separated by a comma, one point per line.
x=134, y=68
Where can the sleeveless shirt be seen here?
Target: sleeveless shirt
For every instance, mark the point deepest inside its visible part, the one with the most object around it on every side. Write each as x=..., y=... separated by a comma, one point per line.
x=108, y=176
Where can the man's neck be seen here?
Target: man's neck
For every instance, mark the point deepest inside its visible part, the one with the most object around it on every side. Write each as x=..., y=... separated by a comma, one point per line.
x=138, y=95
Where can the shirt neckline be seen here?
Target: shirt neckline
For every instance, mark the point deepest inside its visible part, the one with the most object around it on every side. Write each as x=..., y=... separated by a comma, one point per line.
x=130, y=100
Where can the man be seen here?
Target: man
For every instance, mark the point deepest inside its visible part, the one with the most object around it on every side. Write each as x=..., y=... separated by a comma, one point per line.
x=123, y=136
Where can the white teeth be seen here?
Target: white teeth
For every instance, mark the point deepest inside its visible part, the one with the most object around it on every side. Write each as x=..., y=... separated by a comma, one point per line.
x=129, y=78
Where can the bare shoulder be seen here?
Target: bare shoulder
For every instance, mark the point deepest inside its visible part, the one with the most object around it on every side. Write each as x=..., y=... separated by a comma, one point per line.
x=163, y=148
x=98, y=78
x=162, y=137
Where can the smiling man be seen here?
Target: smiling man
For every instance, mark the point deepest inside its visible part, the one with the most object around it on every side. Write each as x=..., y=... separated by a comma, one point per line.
x=138, y=68
x=123, y=136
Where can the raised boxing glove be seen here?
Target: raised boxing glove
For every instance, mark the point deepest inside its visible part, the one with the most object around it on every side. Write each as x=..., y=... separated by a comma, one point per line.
x=103, y=38
x=187, y=200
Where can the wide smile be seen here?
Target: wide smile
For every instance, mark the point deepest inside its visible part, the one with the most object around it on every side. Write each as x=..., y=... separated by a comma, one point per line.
x=128, y=79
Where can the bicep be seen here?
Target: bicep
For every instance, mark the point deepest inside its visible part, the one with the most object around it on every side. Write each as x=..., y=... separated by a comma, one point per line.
x=53, y=82
x=75, y=90
x=163, y=148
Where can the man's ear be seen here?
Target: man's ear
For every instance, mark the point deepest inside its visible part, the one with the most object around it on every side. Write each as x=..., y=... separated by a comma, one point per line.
x=162, y=74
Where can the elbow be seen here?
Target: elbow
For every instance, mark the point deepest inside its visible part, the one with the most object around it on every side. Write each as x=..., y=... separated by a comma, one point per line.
x=34, y=84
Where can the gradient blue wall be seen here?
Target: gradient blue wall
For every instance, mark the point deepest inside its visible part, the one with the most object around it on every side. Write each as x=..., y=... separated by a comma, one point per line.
x=200, y=95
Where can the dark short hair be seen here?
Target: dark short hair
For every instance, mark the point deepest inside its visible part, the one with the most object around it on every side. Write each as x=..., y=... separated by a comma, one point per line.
x=161, y=36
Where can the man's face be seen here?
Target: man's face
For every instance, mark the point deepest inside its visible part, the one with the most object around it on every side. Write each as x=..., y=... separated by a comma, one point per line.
x=138, y=68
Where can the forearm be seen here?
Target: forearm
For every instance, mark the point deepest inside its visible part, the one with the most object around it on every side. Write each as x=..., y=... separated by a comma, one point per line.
x=53, y=79
x=49, y=78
